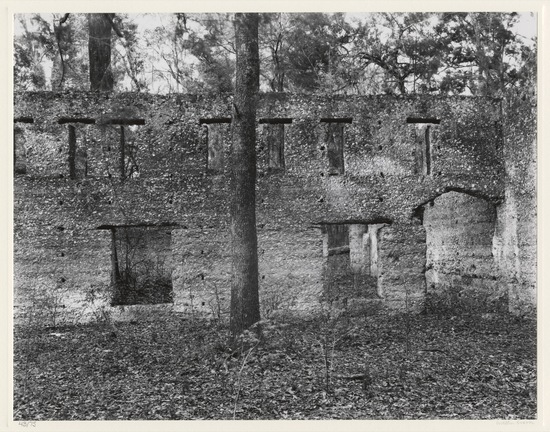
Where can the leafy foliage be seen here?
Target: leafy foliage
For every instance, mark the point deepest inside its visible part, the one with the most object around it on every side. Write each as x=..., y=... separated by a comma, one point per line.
x=127, y=59
x=55, y=41
x=445, y=367
x=403, y=47
x=484, y=53
x=305, y=49
x=395, y=53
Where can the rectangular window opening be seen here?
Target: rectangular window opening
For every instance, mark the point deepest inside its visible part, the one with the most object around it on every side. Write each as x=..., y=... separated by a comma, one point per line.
x=336, y=239
x=20, y=146
x=275, y=137
x=119, y=149
x=216, y=138
x=19, y=151
x=348, y=249
x=127, y=157
x=141, y=268
x=335, y=147
x=78, y=156
x=428, y=152
x=122, y=154
x=372, y=234
x=423, y=145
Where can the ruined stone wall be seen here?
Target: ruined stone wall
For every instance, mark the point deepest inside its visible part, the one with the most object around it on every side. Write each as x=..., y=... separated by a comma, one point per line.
x=339, y=160
x=516, y=233
x=402, y=260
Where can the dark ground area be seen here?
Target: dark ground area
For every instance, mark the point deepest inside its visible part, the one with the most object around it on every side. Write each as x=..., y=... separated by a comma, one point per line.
x=378, y=367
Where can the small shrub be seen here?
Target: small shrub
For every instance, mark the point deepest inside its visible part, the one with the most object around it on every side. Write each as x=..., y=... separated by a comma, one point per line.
x=277, y=299
x=151, y=285
x=47, y=305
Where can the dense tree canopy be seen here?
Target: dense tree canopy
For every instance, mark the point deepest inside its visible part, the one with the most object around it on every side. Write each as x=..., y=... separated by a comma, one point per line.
x=394, y=53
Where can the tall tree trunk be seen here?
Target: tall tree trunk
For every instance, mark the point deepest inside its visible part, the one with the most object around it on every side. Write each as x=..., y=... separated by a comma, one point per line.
x=99, y=51
x=245, y=308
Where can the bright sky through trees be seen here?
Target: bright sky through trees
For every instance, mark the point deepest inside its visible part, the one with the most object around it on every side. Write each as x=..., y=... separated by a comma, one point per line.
x=341, y=53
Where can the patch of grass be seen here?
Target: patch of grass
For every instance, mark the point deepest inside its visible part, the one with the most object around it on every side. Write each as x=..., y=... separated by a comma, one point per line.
x=463, y=367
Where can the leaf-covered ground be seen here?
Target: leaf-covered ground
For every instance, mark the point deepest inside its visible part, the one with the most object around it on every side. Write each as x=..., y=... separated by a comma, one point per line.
x=404, y=367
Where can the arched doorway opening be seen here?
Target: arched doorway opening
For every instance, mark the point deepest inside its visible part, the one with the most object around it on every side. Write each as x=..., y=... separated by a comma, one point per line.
x=461, y=274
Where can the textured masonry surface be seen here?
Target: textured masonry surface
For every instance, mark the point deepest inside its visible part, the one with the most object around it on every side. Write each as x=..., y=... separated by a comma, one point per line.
x=421, y=178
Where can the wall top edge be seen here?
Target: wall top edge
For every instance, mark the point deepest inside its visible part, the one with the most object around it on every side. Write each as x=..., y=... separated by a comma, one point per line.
x=270, y=95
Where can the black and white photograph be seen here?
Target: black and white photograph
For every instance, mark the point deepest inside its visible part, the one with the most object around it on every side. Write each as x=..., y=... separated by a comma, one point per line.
x=274, y=216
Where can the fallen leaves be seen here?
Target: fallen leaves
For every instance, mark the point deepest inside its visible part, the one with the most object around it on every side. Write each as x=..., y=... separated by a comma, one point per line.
x=417, y=368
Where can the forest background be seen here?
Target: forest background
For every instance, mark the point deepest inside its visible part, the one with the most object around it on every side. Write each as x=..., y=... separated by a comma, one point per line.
x=474, y=53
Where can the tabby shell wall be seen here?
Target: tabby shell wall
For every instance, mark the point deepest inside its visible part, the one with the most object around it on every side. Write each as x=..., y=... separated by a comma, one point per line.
x=172, y=180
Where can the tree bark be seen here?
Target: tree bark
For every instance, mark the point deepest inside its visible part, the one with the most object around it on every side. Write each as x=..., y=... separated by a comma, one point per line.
x=245, y=309
x=99, y=51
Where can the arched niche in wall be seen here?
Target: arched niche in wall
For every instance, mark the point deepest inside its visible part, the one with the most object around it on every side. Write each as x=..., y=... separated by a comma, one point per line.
x=461, y=274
